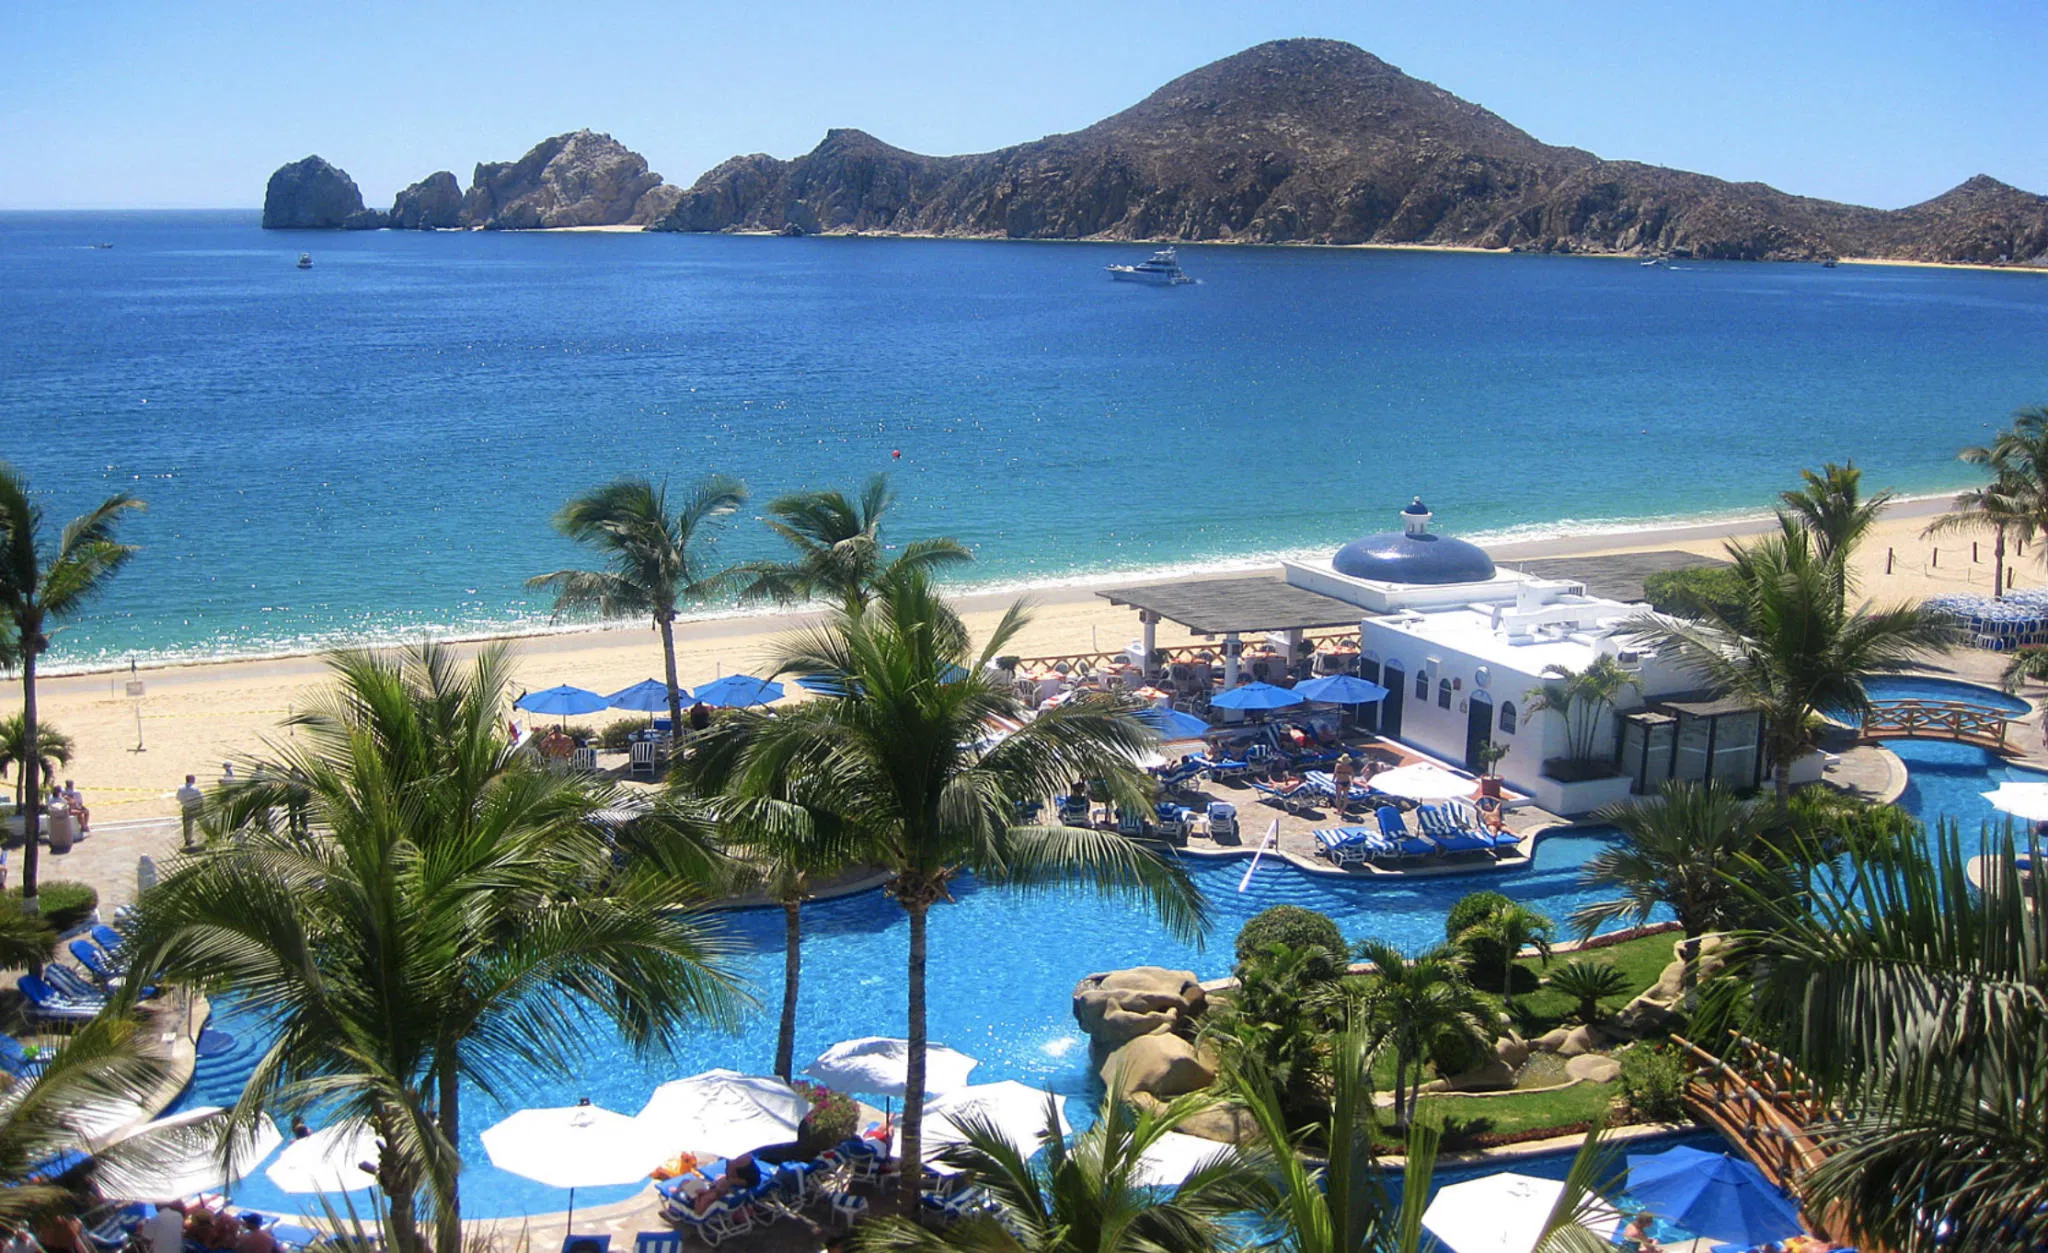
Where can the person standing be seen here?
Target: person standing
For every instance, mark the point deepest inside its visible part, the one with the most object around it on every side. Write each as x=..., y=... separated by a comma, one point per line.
x=190, y=801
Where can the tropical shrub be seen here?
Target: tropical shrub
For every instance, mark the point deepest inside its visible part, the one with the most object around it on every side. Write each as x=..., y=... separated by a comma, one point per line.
x=617, y=736
x=1587, y=982
x=1704, y=592
x=1652, y=1082
x=1454, y=1053
x=1293, y=927
x=1276, y=1021
x=64, y=903
x=1469, y=910
x=1493, y=931
x=834, y=1116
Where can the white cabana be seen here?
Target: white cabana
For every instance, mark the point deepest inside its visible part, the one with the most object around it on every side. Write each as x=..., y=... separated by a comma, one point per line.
x=329, y=1160
x=1421, y=782
x=879, y=1066
x=575, y=1146
x=1503, y=1213
x=723, y=1113
x=184, y=1155
x=1017, y=1111
x=1176, y=1155
x=2021, y=800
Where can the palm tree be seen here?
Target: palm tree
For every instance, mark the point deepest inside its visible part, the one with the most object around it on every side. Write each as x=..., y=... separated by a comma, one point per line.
x=432, y=908
x=1587, y=982
x=903, y=754
x=1508, y=930
x=1345, y=1206
x=1675, y=849
x=1802, y=652
x=1582, y=698
x=1411, y=1005
x=839, y=549
x=657, y=560
x=1831, y=510
x=2005, y=505
x=26, y=940
x=1919, y=1007
x=53, y=749
x=1090, y=1196
x=40, y=586
x=2029, y=664
x=60, y=1107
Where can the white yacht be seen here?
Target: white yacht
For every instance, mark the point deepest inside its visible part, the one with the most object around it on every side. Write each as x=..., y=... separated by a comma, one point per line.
x=1163, y=270
x=305, y=260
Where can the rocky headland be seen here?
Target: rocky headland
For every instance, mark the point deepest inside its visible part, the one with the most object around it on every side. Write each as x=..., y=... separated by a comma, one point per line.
x=1296, y=141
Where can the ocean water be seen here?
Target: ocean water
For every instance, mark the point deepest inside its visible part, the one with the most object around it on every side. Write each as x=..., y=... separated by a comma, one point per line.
x=371, y=448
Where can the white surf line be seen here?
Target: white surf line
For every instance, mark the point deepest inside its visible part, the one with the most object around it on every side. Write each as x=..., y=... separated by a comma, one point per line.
x=1272, y=840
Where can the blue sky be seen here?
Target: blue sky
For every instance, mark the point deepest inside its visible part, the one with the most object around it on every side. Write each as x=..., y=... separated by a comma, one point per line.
x=113, y=104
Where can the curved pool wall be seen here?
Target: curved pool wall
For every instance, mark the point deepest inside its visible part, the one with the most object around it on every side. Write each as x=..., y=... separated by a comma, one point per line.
x=1002, y=971
x=1925, y=687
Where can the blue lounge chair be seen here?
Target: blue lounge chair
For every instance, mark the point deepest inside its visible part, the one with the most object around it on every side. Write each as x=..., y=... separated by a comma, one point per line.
x=1391, y=824
x=1130, y=822
x=44, y=1001
x=14, y=1059
x=70, y=984
x=1175, y=822
x=1180, y=776
x=1295, y=799
x=1222, y=768
x=594, y=1242
x=94, y=961
x=658, y=1242
x=1076, y=811
x=113, y=1231
x=1222, y=820
x=1346, y=846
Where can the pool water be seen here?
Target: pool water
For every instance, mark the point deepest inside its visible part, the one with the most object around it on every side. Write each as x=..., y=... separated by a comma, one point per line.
x=1002, y=970
x=1913, y=687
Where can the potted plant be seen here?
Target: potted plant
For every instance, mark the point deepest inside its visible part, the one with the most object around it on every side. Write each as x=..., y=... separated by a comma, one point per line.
x=1489, y=756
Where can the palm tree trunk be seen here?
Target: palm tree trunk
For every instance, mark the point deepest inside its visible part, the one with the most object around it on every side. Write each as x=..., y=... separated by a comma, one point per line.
x=666, y=622
x=1998, y=564
x=792, y=967
x=31, y=784
x=448, y=1221
x=910, y=1179
x=1400, y=1088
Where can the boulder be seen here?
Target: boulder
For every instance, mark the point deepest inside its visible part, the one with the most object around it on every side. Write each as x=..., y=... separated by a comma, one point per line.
x=1224, y=1123
x=1593, y=1068
x=1551, y=1041
x=578, y=179
x=309, y=195
x=1493, y=1076
x=366, y=220
x=1160, y=1065
x=1643, y=1017
x=1120, y=1006
x=656, y=204
x=1582, y=1040
x=433, y=203
x=1512, y=1049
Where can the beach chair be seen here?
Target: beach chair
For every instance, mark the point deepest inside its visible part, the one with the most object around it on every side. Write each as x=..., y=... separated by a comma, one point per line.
x=1221, y=769
x=110, y=940
x=1130, y=822
x=595, y=1242
x=1180, y=776
x=1344, y=846
x=1175, y=822
x=113, y=1231
x=72, y=985
x=1295, y=798
x=658, y=1242
x=642, y=760
x=45, y=1001
x=1076, y=811
x=1222, y=818
x=583, y=761
x=109, y=973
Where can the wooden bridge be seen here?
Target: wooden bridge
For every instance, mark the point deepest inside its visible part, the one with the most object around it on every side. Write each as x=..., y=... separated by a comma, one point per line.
x=1936, y=720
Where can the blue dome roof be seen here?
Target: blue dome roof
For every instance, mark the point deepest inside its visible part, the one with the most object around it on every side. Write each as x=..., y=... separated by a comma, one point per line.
x=1416, y=557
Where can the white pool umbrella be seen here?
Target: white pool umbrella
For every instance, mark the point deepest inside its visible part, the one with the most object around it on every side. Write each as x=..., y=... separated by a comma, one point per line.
x=2021, y=800
x=878, y=1066
x=1503, y=1213
x=184, y=1155
x=1176, y=1155
x=724, y=1113
x=326, y=1161
x=1017, y=1110
x=1421, y=782
x=575, y=1146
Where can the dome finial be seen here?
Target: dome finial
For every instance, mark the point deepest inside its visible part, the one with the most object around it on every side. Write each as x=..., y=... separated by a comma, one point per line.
x=1415, y=518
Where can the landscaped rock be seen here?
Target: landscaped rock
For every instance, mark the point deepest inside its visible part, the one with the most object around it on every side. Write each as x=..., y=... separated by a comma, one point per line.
x=1582, y=1040
x=1512, y=1049
x=1593, y=1068
x=1161, y=1065
x=1551, y=1041
x=1225, y=1123
x=1493, y=1076
x=1122, y=1005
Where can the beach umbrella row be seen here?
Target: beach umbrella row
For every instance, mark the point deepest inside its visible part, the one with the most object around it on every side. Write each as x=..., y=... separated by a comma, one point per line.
x=734, y=691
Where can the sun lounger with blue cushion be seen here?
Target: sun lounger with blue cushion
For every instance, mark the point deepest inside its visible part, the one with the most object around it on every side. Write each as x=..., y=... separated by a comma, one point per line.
x=1221, y=768
x=1294, y=798
x=100, y=967
x=1348, y=845
x=1180, y=776
x=45, y=1001
x=70, y=984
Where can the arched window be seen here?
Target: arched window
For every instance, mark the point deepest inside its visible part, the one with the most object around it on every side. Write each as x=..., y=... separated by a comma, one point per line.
x=1443, y=694
x=1422, y=685
x=1507, y=717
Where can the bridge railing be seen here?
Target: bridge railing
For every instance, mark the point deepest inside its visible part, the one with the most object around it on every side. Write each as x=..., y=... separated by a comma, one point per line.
x=1935, y=719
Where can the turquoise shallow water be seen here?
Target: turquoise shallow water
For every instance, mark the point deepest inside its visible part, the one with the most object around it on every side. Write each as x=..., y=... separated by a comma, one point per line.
x=372, y=447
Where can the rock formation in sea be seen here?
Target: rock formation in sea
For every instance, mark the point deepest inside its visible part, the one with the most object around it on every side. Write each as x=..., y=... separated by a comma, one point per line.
x=1309, y=140
x=310, y=195
x=578, y=179
x=433, y=203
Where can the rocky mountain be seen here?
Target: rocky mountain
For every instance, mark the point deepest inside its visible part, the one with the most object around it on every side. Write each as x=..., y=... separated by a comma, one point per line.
x=310, y=195
x=1317, y=141
x=433, y=203
x=578, y=179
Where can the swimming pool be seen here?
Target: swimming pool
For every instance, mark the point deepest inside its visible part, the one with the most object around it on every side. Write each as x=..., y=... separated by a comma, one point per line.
x=1920, y=687
x=1002, y=970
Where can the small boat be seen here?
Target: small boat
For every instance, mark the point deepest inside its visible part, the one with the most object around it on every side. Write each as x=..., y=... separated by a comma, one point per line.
x=1827, y=263
x=305, y=260
x=103, y=245
x=1163, y=270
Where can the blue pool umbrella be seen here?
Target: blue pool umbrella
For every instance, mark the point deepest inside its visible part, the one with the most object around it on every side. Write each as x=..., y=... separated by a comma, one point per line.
x=1172, y=724
x=647, y=696
x=1341, y=689
x=737, y=691
x=1256, y=696
x=1713, y=1195
x=563, y=701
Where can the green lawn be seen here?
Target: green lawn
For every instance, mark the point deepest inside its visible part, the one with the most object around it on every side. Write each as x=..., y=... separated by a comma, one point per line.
x=1518, y=1113
x=1641, y=959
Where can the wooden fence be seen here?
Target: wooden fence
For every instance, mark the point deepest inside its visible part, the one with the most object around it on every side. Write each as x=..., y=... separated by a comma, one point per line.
x=1936, y=720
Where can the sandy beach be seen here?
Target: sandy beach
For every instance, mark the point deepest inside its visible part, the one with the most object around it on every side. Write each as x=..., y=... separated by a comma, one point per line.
x=191, y=718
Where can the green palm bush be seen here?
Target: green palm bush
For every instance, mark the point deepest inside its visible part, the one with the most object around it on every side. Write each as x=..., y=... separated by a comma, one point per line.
x=1587, y=982
x=838, y=553
x=1410, y=1004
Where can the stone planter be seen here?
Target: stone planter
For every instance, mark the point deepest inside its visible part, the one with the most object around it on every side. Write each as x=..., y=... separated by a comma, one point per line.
x=1580, y=797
